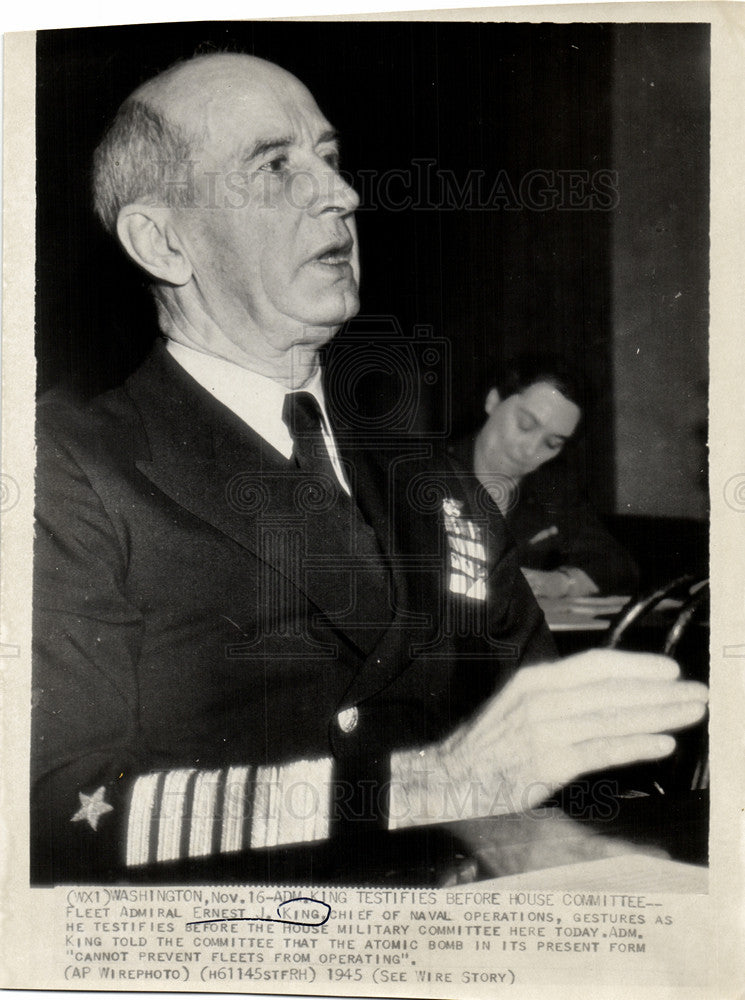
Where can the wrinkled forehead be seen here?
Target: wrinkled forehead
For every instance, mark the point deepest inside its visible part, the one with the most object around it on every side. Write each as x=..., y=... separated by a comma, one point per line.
x=233, y=100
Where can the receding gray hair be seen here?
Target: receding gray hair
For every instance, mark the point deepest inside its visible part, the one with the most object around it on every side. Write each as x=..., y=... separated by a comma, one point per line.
x=143, y=157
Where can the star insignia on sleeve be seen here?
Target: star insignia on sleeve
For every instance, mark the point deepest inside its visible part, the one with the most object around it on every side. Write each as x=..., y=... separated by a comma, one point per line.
x=92, y=807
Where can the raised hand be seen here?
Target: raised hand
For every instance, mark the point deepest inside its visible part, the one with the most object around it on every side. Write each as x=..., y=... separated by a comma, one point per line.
x=549, y=725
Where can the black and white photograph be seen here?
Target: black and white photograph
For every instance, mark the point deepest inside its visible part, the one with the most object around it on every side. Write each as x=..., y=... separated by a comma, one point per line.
x=371, y=503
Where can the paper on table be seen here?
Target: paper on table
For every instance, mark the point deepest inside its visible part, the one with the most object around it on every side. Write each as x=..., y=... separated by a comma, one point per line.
x=580, y=613
x=613, y=600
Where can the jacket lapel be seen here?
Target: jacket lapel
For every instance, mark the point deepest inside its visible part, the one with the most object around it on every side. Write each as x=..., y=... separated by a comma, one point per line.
x=409, y=531
x=210, y=463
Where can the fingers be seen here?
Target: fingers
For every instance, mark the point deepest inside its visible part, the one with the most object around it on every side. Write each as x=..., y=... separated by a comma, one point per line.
x=611, y=696
x=555, y=722
x=623, y=722
x=595, y=665
x=532, y=720
x=599, y=754
x=522, y=706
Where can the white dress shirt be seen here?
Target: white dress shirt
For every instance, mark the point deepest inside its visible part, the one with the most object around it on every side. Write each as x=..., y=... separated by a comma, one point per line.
x=255, y=399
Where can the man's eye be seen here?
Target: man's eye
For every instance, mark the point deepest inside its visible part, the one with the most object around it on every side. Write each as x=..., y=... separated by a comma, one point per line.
x=275, y=165
x=332, y=159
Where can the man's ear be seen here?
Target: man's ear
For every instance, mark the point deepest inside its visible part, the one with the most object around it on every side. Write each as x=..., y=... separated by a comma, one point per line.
x=492, y=400
x=149, y=237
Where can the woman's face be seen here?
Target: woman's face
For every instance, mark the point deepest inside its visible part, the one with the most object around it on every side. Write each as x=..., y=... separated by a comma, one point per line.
x=526, y=429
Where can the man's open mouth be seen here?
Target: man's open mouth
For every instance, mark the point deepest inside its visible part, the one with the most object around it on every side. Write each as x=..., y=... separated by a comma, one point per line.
x=339, y=253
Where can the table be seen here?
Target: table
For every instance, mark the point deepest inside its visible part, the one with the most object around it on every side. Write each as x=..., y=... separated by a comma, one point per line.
x=628, y=873
x=590, y=828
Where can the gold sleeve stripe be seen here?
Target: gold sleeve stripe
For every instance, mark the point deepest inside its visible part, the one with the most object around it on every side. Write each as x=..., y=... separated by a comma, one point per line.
x=292, y=803
x=234, y=809
x=140, y=816
x=262, y=798
x=171, y=812
x=203, y=813
x=274, y=814
x=190, y=813
x=321, y=828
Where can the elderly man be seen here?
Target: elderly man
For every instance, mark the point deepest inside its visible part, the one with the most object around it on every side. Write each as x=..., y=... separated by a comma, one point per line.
x=254, y=645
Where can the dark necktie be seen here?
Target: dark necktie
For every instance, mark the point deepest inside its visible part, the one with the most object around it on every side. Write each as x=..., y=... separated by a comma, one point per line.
x=302, y=417
x=349, y=535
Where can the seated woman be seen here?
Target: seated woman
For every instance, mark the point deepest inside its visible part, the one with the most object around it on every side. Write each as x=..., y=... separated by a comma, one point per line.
x=564, y=549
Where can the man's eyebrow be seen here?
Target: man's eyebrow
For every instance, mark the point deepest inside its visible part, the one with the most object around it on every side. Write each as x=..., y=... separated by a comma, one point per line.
x=269, y=145
x=330, y=135
x=263, y=146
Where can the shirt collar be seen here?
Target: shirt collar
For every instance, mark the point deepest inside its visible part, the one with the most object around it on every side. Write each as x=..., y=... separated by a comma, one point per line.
x=256, y=399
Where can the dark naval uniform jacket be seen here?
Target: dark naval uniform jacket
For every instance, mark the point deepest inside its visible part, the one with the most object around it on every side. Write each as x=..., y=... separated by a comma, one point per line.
x=210, y=627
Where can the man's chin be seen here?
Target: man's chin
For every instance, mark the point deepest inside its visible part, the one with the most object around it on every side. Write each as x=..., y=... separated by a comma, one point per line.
x=320, y=333
x=344, y=308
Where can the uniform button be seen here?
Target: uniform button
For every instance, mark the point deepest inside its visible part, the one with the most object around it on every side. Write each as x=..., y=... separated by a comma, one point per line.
x=348, y=719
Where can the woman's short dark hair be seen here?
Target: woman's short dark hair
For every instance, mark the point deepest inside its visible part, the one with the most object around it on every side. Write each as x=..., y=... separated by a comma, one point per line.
x=520, y=372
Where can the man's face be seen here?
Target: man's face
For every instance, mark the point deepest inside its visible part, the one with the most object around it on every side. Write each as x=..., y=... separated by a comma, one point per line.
x=527, y=429
x=272, y=240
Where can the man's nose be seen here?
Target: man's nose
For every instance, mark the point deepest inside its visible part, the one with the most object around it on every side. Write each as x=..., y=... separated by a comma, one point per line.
x=330, y=192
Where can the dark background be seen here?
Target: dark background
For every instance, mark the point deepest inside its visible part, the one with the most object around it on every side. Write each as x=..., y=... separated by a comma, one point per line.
x=474, y=284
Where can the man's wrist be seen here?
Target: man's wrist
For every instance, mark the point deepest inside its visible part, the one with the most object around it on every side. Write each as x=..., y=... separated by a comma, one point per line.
x=433, y=785
x=413, y=773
